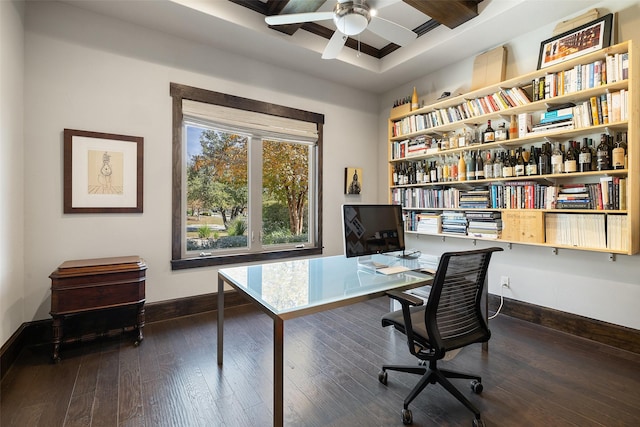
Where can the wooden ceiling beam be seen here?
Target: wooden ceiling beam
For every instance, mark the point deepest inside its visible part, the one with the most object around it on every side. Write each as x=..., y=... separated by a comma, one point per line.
x=286, y=7
x=450, y=13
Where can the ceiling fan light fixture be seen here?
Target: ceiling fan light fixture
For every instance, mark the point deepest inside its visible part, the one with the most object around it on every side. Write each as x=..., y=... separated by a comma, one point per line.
x=352, y=17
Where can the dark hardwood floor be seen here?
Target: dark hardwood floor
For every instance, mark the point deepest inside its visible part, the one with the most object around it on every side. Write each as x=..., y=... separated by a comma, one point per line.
x=532, y=376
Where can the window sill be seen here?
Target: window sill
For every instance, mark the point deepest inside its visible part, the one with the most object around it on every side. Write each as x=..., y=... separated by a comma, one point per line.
x=210, y=261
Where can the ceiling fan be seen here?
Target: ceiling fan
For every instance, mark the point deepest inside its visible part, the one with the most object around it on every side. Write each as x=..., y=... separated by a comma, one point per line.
x=351, y=18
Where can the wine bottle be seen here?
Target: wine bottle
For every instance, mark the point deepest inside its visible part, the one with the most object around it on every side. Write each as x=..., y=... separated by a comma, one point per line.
x=462, y=168
x=414, y=99
x=513, y=127
x=570, y=162
x=489, y=134
x=433, y=172
x=617, y=157
x=471, y=167
x=497, y=165
x=557, y=159
x=602, y=154
x=507, y=167
x=439, y=171
x=584, y=158
x=419, y=173
x=466, y=140
x=532, y=164
x=445, y=170
x=488, y=166
x=444, y=142
x=479, y=166
x=544, y=161
x=454, y=168
x=395, y=174
x=519, y=166
x=453, y=140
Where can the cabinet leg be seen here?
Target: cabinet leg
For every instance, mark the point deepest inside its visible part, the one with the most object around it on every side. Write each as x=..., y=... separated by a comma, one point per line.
x=57, y=338
x=140, y=324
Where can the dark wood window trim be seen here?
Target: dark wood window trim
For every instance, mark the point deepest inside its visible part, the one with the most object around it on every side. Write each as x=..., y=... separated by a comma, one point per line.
x=179, y=92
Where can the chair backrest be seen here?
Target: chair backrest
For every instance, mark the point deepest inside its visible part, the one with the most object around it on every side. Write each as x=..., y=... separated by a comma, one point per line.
x=453, y=316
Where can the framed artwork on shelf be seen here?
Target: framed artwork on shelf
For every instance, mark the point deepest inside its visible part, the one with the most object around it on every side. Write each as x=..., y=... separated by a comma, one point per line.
x=352, y=180
x=579, y=41
x=103, y=172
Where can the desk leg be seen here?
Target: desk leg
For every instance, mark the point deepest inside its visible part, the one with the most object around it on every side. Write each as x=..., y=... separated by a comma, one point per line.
x=278, y=372
x=485, y=345
x=220, y=318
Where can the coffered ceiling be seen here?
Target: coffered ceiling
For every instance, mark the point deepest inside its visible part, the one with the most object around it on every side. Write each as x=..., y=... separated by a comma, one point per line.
x=448, y=31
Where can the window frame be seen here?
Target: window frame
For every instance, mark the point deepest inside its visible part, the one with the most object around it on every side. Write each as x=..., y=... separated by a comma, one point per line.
x=181, y=92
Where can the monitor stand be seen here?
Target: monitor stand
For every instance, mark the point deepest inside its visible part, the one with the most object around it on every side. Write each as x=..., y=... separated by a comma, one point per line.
x=413, y=254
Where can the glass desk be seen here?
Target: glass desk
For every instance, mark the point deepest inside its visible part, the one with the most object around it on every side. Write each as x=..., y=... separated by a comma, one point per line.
x=289, y=289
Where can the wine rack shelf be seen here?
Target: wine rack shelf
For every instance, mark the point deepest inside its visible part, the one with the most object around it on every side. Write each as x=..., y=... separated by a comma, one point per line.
x=601, y=227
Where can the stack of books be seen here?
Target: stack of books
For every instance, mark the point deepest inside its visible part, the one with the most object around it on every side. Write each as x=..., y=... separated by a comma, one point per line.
x=417, y=146
x=485, y=225
x=574, y=197
x=557, y=119
x=478, y=198
x=454, y=222
x=428, y=222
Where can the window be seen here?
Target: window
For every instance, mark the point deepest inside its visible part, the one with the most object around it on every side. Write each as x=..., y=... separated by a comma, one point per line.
x=246, y=182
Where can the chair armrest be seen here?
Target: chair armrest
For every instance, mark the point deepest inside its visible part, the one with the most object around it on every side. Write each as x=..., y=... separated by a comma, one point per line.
x=404, y=298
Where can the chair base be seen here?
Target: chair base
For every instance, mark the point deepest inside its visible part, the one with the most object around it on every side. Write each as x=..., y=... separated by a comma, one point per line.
x=432, y=375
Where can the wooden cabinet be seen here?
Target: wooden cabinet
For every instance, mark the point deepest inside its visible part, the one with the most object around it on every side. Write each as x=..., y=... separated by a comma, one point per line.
x=613, y=229
x=91, y=285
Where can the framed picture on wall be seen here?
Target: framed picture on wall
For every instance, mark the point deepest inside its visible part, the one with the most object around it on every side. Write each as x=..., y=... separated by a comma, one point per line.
x=103, y=172
x=579, y=41
x=352, y=180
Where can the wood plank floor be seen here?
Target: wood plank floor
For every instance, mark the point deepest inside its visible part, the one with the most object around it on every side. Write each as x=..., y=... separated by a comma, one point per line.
x=532, y=376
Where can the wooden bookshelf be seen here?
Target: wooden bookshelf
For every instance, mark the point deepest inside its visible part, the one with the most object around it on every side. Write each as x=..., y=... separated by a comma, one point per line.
x=456, y=114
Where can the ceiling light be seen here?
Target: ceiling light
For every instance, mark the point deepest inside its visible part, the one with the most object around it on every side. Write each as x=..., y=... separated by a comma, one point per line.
x=352, y=17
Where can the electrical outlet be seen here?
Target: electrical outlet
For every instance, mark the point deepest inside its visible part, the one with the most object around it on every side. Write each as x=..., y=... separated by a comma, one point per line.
x=504, y=281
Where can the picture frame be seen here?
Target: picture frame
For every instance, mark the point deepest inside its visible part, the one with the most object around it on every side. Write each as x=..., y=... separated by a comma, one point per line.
x=103, y=172
x=352, y=180
x=587, y=38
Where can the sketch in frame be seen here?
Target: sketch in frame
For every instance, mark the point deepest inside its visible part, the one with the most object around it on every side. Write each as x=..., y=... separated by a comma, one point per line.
x=353, y=180
x=103, y=173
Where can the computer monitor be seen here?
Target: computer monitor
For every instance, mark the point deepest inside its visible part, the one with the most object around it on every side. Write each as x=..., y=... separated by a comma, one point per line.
x=372, y=229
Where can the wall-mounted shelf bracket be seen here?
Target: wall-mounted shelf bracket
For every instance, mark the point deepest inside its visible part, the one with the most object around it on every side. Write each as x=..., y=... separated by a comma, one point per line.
x=612, y=257
x=475, y=242
x=554, y=251
x=509, y=246
x=443, y=238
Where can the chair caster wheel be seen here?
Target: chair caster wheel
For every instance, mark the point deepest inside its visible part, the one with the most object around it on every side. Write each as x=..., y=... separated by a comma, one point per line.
x=407, y=417
x=382, y=377
x=476, y=386
x=477, y=422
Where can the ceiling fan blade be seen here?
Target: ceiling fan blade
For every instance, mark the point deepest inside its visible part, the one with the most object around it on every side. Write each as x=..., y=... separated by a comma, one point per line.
x=391, y=31
x=296, y=18
x=334, y=46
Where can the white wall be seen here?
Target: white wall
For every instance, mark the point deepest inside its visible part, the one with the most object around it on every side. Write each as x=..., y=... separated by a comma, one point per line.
x=87, y=71
x=578, y=282
x=11, y=167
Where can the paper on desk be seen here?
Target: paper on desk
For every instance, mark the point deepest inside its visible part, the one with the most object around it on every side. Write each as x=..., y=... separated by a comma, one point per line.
x=393, y=270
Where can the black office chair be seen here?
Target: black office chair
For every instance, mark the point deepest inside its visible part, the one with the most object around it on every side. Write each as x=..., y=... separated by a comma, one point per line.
x=451, y=319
